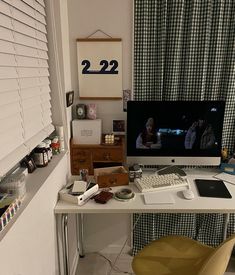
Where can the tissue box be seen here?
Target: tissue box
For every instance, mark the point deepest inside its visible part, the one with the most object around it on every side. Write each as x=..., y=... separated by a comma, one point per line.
x=86, y=131
x=111, y=176
x=80, y=199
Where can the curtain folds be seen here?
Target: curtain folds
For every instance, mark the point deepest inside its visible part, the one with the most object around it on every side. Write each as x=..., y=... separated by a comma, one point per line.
x=185, y=50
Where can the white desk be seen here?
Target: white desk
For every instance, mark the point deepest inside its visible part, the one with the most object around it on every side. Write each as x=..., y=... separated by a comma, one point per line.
x=137, y=205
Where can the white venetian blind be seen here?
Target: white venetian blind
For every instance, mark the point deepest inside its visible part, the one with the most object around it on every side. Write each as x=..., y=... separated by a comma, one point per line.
x=25, y=109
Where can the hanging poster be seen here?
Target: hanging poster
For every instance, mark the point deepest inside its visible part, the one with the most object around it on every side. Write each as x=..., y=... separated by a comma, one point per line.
x=99, y=68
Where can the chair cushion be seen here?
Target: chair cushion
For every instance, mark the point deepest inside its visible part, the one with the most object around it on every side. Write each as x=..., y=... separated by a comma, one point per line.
x=172, y=255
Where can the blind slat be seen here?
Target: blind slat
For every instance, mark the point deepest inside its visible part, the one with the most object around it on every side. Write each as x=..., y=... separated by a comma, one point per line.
x=7, y=47
x=31, y=102
x=30, y=132
x=8, y=85
x=25, y=113
x=9, y=110
x=36, y=139
x=11, y=144
x=26, y=51
x=46, y=105
x=5, y=8
x=45, y=89
x=8, y=72
x=12, y=158
x=6, y=34
x=30, y=92
x=24, y=61
x=23, y=28
x=10, y=123
x=49, y=129
x=29, y=82
x=6, y=21
x=7, y=60
x=40, y=8
x=41, y=2
x=12, y=134
x=9, y=97
x=28, y=72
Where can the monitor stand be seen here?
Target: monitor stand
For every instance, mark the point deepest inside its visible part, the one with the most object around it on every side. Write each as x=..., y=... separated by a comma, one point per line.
x=170, y=170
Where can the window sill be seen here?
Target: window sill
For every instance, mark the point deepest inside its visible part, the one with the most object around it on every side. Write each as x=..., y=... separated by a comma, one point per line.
x=34, y=182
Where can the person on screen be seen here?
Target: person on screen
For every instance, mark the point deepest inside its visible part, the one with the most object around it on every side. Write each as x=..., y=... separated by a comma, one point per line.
x=149, y=137
x=200, y=135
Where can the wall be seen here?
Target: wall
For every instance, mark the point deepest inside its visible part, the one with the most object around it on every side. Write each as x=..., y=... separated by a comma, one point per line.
x=29, y=247
x=114, y=18
x=60, y=80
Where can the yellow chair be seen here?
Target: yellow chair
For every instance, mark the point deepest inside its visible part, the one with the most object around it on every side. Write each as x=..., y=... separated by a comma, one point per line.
x=178, y=255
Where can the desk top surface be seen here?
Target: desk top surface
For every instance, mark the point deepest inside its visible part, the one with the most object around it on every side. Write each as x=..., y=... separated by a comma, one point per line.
x=137, y=204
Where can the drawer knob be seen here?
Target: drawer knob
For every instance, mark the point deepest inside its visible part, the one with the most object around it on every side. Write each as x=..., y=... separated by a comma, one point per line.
x=106, y=156
x=113, y=181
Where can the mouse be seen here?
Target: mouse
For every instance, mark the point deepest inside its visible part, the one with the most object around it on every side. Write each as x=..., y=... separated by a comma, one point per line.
x=188, y=194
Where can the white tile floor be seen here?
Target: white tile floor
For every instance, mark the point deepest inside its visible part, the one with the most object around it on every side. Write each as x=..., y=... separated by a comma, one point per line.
x=94, y=264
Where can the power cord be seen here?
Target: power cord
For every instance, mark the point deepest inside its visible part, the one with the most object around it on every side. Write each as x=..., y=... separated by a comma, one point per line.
x=115, y=268
x=113, y=264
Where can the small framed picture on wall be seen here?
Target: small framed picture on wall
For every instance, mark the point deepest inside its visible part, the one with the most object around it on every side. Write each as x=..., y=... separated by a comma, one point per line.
x=118, y=127
x=69, y=98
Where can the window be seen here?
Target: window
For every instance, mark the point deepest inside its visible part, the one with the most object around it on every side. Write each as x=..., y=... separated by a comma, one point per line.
x=25, y=109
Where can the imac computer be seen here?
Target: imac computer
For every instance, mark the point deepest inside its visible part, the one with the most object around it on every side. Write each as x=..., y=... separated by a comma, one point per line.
x=182, y=133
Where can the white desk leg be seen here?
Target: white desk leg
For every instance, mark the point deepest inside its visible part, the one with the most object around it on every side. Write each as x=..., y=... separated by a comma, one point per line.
x=62, y=239
x=226, y=226
x=79, y=221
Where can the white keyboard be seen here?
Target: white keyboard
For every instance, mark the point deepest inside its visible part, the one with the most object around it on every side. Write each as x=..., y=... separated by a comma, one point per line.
x=160, y=182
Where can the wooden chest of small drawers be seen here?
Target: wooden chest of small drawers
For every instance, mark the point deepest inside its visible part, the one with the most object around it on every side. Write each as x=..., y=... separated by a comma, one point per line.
x=92, y=156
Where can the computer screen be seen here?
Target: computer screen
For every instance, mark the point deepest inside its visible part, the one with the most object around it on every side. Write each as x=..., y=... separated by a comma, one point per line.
x=174, y=132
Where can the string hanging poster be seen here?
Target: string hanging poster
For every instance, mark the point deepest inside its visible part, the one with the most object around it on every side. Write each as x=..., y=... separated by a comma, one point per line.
x=100, y=68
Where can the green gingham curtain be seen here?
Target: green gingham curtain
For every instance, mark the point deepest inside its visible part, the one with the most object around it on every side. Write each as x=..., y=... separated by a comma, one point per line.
x=185, y=50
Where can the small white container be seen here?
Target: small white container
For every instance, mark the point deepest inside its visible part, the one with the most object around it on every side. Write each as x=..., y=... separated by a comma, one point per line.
x=14, y=185
x=87, y=131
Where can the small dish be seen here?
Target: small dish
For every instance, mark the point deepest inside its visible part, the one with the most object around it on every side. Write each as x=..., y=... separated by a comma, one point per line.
x=124, y=193
x=124, y=200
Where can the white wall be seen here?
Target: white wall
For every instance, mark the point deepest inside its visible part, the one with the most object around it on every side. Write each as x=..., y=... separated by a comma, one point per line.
x=29, y=248
x=60, y=79
x=59, y=63
x=113, y=17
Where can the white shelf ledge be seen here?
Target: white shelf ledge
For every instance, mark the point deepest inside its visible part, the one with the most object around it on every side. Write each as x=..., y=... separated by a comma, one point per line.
x=34, y=182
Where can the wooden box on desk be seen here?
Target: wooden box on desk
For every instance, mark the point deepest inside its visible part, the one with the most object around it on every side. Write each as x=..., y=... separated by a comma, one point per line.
x=111, y=176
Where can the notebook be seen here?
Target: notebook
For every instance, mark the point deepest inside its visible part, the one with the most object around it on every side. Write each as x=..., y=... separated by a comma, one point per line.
x=212, y=188
x=226, y=177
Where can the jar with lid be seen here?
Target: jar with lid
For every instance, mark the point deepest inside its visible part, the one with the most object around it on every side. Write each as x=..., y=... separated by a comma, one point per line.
x=40, y=155
x=49, y=149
